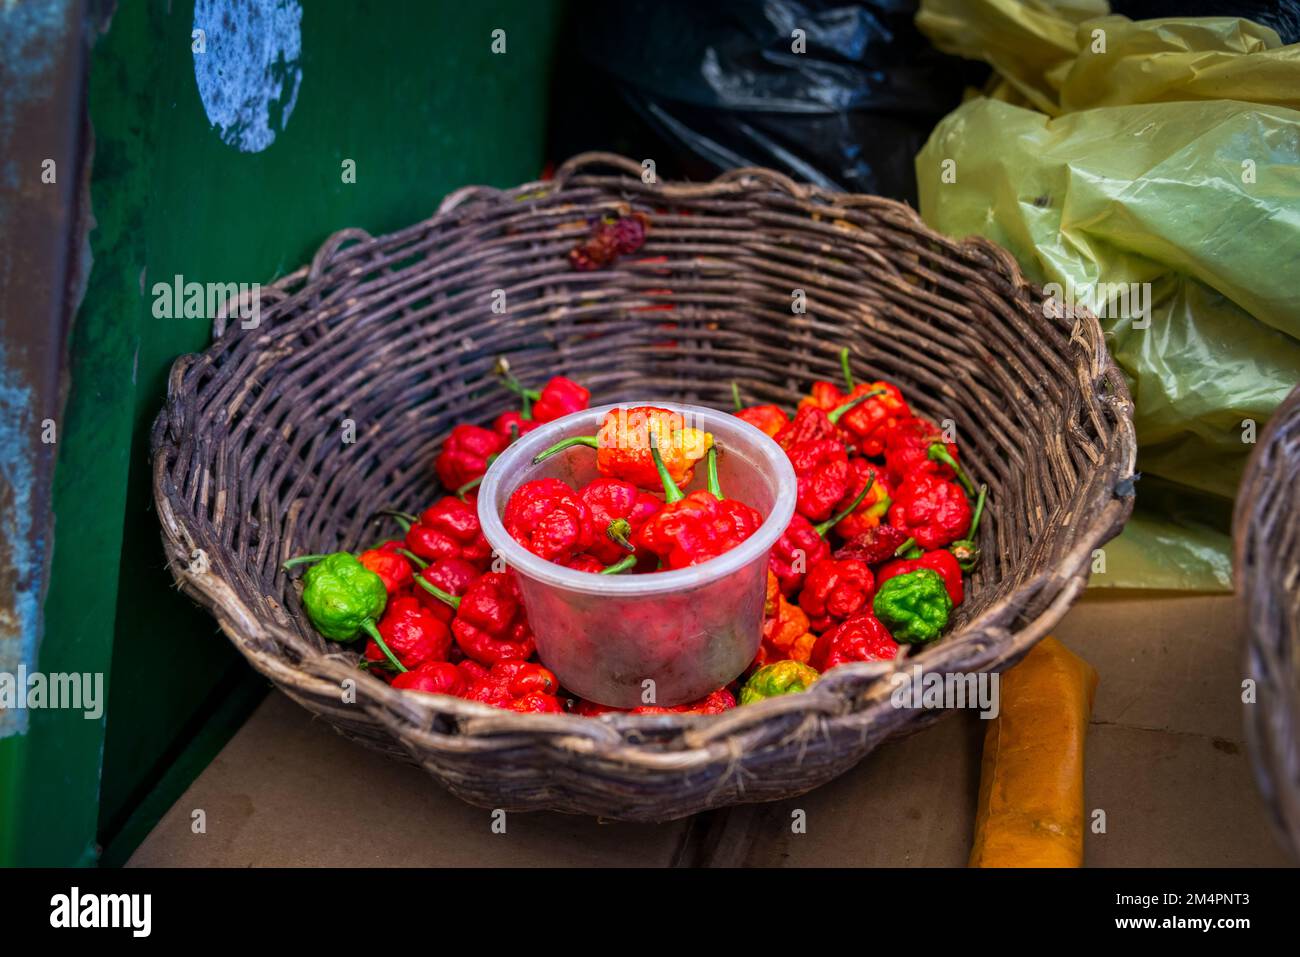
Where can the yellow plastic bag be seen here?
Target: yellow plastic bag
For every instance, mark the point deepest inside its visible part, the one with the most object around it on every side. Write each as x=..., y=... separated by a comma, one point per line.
x=1151, y=171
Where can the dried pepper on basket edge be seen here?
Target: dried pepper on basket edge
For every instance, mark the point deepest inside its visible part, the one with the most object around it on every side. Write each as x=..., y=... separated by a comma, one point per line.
x=610, y=239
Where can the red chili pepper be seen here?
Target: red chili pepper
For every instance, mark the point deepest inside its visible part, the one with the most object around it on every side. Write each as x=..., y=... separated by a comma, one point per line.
x=813, y=424
x=466, y=455
x=549, y=519
x=916, y=445
x=715, y=702
x=803, y=544
x=691, y=529
x=860, y=638
x=432, y=677
x=768, y=419
x=412, y=634
x=490, y=624
x=835, y=590
x=871, y=510
x=389, y=566
x=453, y=576
x=821, y=469
x=941, y=560
x=785, y=629
x=869, y=423
x=510, y=425
x=618, y=510
x=558, y=398
x=518, y=686
x=930, y=509
x=449, y=528
x=875, y=545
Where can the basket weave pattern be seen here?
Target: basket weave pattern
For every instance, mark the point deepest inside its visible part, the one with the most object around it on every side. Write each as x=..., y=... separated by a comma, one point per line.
x=1266, y=532
x=397, y=335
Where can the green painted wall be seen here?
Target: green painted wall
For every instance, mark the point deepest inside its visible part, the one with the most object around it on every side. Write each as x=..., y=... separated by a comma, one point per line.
x=414, y=95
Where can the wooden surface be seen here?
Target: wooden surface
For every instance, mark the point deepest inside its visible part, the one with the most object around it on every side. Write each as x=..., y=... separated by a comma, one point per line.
x=1166, y=762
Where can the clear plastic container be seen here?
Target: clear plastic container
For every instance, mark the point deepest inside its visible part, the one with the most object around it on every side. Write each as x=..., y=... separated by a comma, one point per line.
x=689, y=631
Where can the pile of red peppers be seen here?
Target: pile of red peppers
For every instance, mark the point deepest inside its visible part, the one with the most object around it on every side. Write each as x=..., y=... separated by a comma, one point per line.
x=883, y=532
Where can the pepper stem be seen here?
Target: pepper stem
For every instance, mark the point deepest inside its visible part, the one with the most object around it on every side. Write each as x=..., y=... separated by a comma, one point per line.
x=671, y=492
x=618, y=531
x=711, y=471
x=300, y=559
x=835, y=414
x=591, y=441
x=938, y=452
x=508, y=379
x=735, y=396
x=373, y=632
x=415, y=559
x=979, y=512
x=904, y=547
x=844, y=366
x=841, y=515
x=445, y=597
x=404, y=519
x=622, y=565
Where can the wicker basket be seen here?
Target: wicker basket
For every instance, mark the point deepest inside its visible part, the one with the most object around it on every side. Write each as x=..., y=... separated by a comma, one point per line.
x=1266, y=529
x=397, y=335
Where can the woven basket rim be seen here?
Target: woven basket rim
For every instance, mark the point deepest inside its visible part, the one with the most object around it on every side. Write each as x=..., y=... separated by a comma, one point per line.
x=1266, y=579
x=703, y=739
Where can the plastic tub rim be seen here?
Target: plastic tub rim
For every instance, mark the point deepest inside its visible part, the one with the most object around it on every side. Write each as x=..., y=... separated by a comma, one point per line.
x=519, y=455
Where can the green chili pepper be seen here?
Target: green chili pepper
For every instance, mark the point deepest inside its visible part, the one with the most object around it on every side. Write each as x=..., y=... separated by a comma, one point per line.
x=778, y=678
x=914, y=607
x=343, y=598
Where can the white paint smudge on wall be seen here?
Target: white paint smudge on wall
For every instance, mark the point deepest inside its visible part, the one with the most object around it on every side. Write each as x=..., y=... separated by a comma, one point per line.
x=248, y=74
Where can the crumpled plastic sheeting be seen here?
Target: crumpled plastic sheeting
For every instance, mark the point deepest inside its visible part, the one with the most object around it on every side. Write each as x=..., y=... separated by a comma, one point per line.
x=1133, y=165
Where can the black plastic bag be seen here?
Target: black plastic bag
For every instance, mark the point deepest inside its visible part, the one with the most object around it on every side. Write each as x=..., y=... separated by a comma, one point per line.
x=701, y=88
